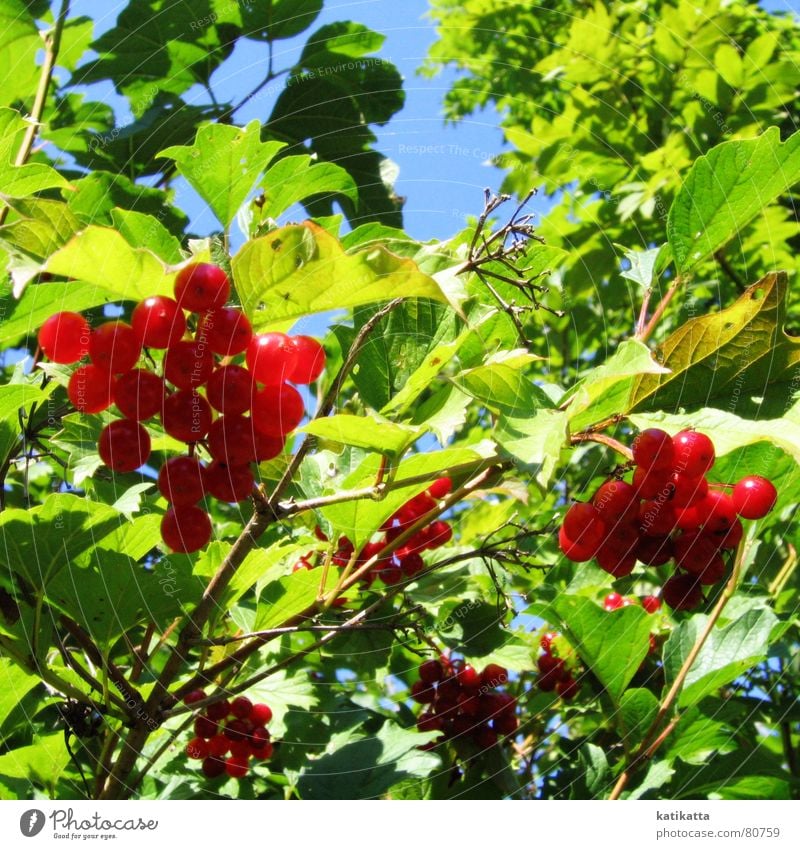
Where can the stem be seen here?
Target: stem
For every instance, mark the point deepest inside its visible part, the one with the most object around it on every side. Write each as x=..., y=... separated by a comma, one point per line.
x=652, y=740
x=647, y=332
x=577, y=438
x=52, y=43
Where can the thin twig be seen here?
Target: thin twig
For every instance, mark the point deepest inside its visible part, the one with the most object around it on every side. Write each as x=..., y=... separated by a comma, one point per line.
x=647, y=332
x=603, y=439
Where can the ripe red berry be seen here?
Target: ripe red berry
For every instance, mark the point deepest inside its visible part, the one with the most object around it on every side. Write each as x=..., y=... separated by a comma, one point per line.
x=241, y=707
x=270, y=357
x=546, y=642
x=218, y=710
x=651, y=603
x=124, y=445
x=230, y=389
x=582, y=525
x=494, y=675
x=226, y=331
x=730, y=538
x=231, y=440
x=439, y=534
x=204, y=727
x=158, y=322
x=688, y=491
x=506, y=724
x=261, y=714
x=259, y=739
x=139, y=394
x=218, y=746
x=754, y=496
x=277, y=410
x=186, y=416
x=202, y=286
x=716, y=512
x=619, y=563
x=186, y=529
x=568, y=689
x=440, y=488
x=613, y=601
x=431, y=671
x=485, y=737
x=654, y=550
x=262, y=754
x=713, y=572
x=194, y=696
x=180, y=481
x=576, y=552
x=694, y=453
x=616, y=501
x=197, y=749
x=682, y=592
x=468, y=677
x=64, y=337
x=309, y=361
x=213, y=767
x=91, y=389
x=656, y=518
x=422, y=693
x=114, y=347
x=653, y=483
x=653, y=449
x=188, y=364
x=229, y=483
x=551, y=671
x=268, y=447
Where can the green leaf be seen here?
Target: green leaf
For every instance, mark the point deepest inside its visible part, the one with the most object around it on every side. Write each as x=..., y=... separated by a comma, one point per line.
x=286, y=694
x=727, y=653
x=536, y=441
x=728, y=64
x=699, y=738
x=736, y=352
x=20, y=44
x=223, y=165
x=613, y=645
x=643, y=266
x=299, y=178
x=14, y=398
x=42, y=226
x=40, y=763
x=608, y=390
x=19, y=181
x=302, y=269
x=146, y=231
x=14, y=684
x=637, y=710
x=365, y=432
x=285, y=598
x=726, y=189
x=365, y=767
x=102, y=257
x=278, y=18
x=338, y=41
x=502, y=386
x=594, y=769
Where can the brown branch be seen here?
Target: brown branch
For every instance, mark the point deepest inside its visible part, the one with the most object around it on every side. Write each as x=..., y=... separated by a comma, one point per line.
x=662, y=305
x=586, y=436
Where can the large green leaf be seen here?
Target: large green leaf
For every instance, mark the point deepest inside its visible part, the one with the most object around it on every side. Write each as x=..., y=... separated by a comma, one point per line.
x=502, y=385
x=283, y=599
x=536, y=441
x=40, y=228
x=726, y=189
x=276, y=19
x=364, y=432
x=13, y=399
x=40, y=763
x=14, y=684
x=737, y=352
x=637, y=710
x=19, y=181
x=20, y=43
x=727, y=653
x=223, y=165
x=302, y=269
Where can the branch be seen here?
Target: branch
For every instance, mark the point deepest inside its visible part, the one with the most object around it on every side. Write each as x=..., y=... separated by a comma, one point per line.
x=586, y=436
x=52, y=43
x=648, y=329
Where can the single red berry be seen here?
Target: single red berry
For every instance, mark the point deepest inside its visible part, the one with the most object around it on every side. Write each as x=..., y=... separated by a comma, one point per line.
x=439, y=534
x=411, y=563
x=180, y=481
x=202, y=286
x=213, y=767
x=651, y=603
x=240, y=748
x=694, y=550
x=186, y=416
x=64, y=337
x=582, y=525
x=468, y=678
x=261, y=714
x=694, y=453
x=713, y=572
x=431, y=671
x=546, y=642
x=616, y=501
x=229, y=483
x=139, y=394
x=158, y=322
x=277, y=410
x=656, y=518
x=576, y=552
x=218, y=710
x=114, y=347
x=309, y=361
x=226, y=331
x=268, y=447
x=237, y=729
x=91, y=389
x=618, y=563
x=485, y=737
x=186, y=529
x=422, y=693
x=494, y=675
x=124, y=445
x=440, y=488
x=428, y=721
x=205, y=728
x=551, y=671
x=194, y=696
x=218, y=746
x=687, y=519
x=259, y=739
x=270, y=357
x=506, y=724
x=716, y=512
x=653, y=449
x=568, y=689
x=241, y=707
x=654, y=551
x=188, y=364
x=230, y=389
x=231, y=440
x=730, y=538
x=688, y=491
x=262, y=754
x=682, y=592
x=754, y=496
x=613, y=601
x=237, y=766
x=197, y=749
x=653, y=483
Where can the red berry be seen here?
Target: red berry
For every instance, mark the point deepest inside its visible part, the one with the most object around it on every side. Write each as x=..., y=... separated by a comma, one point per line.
x=468, y=677
x=656, y=518
x=431, y=671
x=213, y=767
x=205, y=728
x=230, y=390
x=91, y=389
x=694, y=550
x=546, y=642
x=124, y=445
x=197, y=749
x=158, y=322
x=551, y=671
x=422, y=693
x=309, y=361
x=411, y=564
x=682, y=592
x=713, y=572
x=186, y=529
x=261, y=714
x=240, y=748
x=270, y=357
x=440, y=488
x=186, y=416
x=180, y=481
x=494, y=675
x=188, y=364
x=653, y=449
x=277, y=410
x=485, y=737
x=754, y=496
x=237, y=766
x=654, y=551
x=237, y=729
x=568, y=689
x=139, y=394
x=226, y=331
x=259, y=738
x=616, y=501
x=653, y=483
x=218, y=710
x=694, y=453
x=64, y=337
x=268, y=447
x=429, y=722
x=194, y=696
x=582, y=525
x=730, y=538
x=241, y=707
x=218, y=746
x=716, y=512
x=574, y=551
x=114, y=347
x=439, y=534
x=231, y=440
x=687, y=519
x=201, y=286
x=262, y=754
x=505, y=724
x=688, y=491
x=613, y=601
x=651, y=603
x=229, y=483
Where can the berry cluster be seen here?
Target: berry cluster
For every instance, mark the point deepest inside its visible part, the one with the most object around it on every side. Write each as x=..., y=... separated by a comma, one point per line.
x=554, y=671
x=406, y=561
x=667, y=512
x=236, y=729
x=463, y=702
x=239, y=412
